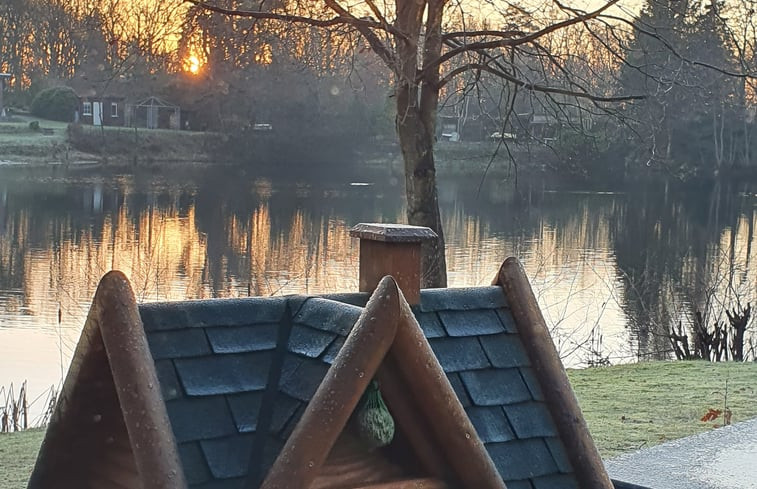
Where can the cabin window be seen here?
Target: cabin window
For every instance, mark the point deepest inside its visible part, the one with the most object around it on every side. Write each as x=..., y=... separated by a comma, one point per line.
x=87, y=108
x=114, y=109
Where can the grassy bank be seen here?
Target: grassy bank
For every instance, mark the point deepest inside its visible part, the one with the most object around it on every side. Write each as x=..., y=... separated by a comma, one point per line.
x=627, y=407
x=55, y=143
x=18, y=451
x=144, y=145
x=28, y=140
x=633, y=406
x=18, y=139
x=488, y=157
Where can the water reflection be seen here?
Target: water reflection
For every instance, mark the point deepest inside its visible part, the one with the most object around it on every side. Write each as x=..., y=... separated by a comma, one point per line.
x=611, y=269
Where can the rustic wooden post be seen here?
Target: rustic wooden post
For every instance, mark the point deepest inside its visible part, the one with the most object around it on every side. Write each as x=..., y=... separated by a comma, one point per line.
x=392, y=249
x=144, y=411
x=110, y=427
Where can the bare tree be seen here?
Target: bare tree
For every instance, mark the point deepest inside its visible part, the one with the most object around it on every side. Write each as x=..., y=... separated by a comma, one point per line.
x=38, y=40
x=425, y=56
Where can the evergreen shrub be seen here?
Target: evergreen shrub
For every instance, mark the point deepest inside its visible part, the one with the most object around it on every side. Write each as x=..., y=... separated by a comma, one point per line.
x=56, y=103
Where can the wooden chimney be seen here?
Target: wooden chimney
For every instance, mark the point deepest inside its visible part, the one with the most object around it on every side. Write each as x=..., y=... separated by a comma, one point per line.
x=392, y=249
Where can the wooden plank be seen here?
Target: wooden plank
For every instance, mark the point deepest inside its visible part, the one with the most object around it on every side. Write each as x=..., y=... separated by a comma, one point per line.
x=424, y=483
x=351, y=463
x=401, y=260
x=86, y=413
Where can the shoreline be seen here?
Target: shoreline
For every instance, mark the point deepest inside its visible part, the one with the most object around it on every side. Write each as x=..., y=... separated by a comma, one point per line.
x=54, y=145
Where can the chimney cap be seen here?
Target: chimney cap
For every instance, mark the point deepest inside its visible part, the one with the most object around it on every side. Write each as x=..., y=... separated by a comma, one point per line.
x=392, y=233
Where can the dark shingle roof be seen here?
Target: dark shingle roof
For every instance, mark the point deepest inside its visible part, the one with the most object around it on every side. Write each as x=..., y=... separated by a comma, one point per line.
x=237, y=375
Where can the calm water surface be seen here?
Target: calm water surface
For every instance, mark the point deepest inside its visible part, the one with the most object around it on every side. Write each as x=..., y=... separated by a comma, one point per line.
x=612, y=267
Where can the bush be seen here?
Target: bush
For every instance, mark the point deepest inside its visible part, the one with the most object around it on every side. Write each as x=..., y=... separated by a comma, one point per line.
x=57, y=103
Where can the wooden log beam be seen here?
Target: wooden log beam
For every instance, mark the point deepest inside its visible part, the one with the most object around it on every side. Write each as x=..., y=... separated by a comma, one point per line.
x=307, y=448
x=432, y=393
x=144, y=411
x=549, y=370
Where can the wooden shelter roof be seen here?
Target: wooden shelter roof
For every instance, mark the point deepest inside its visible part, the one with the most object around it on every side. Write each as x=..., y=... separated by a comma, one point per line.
x=237, y=375
x=156, y=102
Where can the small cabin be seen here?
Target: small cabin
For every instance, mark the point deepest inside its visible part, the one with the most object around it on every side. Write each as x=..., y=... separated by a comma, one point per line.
x=98, y=110
x=101, y=103
x=388, y=387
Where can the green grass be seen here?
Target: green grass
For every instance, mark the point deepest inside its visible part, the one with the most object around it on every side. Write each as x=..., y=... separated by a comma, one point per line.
x=157, y=144
x=627, y=407
x=21, y=144
x=16, y=138
x=18, y=451
x=633, y=406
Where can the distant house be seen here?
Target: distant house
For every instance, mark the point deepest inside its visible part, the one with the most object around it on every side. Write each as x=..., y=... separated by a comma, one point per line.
x=270, y=392
x=544, y=127
x=102, y=110
x=447, y=127
x=101, y=102
x=467, y=121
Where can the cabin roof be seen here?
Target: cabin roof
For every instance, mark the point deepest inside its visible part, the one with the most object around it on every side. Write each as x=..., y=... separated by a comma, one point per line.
x=217, y=360
x=227, y=393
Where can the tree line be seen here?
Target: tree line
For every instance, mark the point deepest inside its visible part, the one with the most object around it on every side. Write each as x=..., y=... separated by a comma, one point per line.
x=247, y=73
x=695, y=62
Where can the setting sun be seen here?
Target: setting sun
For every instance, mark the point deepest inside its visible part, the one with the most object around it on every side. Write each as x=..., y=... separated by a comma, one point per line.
x=193, y=64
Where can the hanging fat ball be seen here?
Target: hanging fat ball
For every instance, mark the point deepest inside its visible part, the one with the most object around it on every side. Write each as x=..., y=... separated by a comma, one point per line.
x=374, y=422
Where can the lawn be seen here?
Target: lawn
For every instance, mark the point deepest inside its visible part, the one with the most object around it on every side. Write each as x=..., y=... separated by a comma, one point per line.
x=53, y=142
x=17, y=454
x=626, y=407
x=17, y=138
x=159, y=144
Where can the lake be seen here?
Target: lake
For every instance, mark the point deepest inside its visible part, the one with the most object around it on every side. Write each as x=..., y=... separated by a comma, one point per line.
x=612, y=266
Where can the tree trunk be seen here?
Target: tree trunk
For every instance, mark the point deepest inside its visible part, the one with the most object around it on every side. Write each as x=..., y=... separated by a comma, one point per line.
x=417, y=102
x=422, y=199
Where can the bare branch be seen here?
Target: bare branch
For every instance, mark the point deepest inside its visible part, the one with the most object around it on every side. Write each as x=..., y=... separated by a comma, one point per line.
x=678, y=55
x=377, y=13
x=378, y=46
x=534, y=87
x=505, y=43
x=295, y=19
x=343, y=18
x=487, y=33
